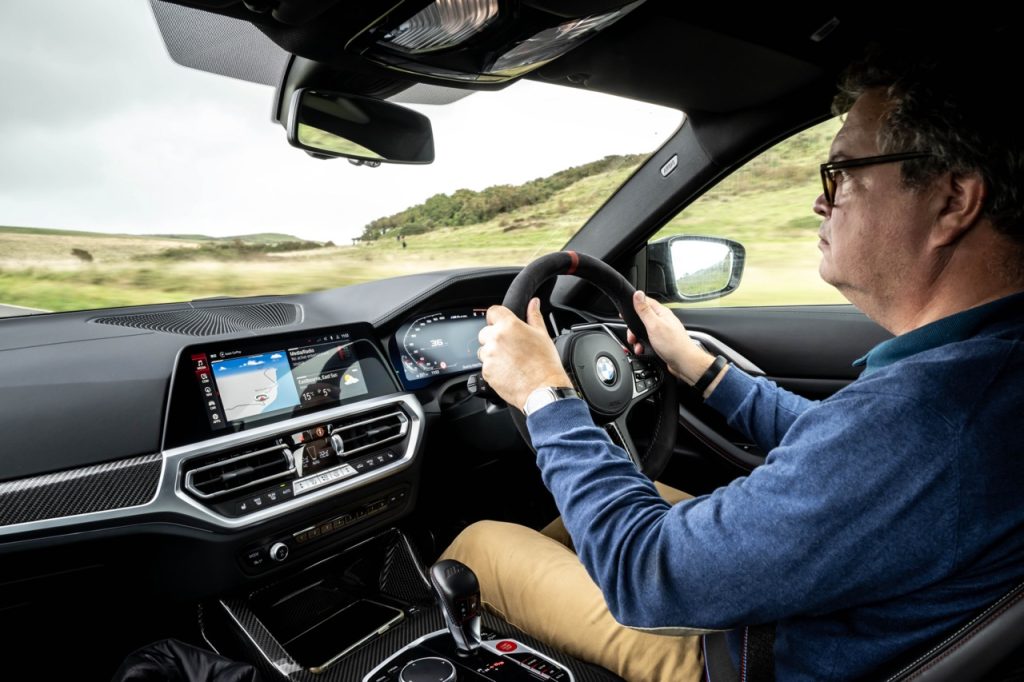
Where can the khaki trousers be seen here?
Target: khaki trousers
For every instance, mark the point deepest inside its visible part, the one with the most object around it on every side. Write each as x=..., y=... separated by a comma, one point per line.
x=537, y=583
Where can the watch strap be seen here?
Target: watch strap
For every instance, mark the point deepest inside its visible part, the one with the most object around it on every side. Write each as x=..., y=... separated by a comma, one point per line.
x=710, y=375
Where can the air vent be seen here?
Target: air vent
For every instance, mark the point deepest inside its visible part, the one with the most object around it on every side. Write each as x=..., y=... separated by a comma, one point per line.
x=210, y=321
x=371, y=430
x=240, y=472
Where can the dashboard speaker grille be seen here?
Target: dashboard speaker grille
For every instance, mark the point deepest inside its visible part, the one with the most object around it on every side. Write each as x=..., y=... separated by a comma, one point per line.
x=210, y=321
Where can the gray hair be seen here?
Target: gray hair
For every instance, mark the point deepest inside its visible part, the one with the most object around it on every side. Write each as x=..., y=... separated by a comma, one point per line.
x=952, y=105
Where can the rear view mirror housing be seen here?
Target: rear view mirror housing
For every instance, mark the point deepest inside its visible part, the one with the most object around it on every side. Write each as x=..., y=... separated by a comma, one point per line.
x=329, y=124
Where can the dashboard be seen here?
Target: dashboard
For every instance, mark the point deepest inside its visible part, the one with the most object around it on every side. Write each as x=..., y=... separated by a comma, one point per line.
x=243, y=443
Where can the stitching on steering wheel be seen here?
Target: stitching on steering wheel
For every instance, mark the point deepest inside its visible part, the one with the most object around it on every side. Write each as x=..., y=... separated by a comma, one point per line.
x=654, y=437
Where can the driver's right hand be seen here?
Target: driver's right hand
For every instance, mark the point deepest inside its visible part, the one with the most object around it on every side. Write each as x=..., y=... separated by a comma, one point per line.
x=669, y=339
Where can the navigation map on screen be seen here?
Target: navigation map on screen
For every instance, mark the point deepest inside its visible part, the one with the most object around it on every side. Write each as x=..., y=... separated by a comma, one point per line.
x=252, y=385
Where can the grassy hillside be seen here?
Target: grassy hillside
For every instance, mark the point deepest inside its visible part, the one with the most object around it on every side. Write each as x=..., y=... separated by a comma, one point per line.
x=766, y=206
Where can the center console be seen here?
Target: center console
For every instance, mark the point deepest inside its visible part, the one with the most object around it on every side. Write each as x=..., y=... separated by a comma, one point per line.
x=370, y=614
x=302, y=449
x=304, y=437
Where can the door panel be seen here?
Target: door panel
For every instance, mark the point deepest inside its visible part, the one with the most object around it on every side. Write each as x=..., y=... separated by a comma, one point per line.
x=805, y=349
x=808, y=349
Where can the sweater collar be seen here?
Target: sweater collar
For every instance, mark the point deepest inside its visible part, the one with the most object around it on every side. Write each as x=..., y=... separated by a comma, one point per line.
x=956, y=327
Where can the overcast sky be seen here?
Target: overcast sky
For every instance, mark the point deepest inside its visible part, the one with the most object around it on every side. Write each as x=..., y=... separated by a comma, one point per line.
x=101, y=130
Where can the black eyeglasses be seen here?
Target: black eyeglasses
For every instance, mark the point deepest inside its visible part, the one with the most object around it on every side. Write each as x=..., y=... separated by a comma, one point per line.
x=828, y=170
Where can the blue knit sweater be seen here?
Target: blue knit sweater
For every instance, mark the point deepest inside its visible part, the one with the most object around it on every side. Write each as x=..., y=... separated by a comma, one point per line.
x=883, y=517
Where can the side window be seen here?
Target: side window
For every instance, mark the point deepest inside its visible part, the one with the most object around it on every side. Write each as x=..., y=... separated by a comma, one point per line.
x=766, y=207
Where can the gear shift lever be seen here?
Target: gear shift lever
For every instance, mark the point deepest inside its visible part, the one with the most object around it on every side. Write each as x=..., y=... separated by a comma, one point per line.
x=458, y=593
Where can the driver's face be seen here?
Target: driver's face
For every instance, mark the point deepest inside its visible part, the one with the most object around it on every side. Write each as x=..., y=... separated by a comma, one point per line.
x=877, y=227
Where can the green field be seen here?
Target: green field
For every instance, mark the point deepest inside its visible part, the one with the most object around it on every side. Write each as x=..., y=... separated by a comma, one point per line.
x=766, y=206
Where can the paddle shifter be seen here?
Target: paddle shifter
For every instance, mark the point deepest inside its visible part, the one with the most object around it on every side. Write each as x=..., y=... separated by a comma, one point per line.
x=458, y=593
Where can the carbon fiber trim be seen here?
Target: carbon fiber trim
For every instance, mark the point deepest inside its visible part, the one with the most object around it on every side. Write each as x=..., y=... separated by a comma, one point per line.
x=267, y=653
x=271, y=657
x=401, y=578
x=210, y=321
x=114, y=485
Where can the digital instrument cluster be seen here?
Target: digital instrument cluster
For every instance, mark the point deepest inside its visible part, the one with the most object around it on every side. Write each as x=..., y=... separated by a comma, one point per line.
x=439, y=344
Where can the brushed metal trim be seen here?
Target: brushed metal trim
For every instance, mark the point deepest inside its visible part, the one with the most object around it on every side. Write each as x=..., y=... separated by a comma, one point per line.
x=289, y=464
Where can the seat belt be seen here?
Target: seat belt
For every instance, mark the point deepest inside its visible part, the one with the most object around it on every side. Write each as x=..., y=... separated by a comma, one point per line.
x=757, y=656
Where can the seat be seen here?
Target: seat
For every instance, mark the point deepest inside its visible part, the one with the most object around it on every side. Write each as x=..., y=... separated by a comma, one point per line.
x=979, y=650
x=989, y=647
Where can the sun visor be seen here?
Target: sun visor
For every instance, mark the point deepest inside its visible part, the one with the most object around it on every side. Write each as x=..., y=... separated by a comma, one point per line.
x=218, y=44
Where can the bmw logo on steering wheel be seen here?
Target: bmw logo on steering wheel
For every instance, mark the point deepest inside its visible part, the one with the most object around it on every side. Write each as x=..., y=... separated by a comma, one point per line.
x=606, y=371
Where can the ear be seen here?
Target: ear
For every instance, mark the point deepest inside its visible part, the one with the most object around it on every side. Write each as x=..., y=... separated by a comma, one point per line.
x=961, y=198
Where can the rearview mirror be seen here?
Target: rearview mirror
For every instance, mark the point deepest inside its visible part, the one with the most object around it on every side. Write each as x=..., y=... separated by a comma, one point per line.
x=694, y=268
x=330, y=124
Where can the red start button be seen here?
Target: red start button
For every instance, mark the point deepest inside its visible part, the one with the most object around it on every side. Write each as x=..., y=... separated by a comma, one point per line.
x=505, y=646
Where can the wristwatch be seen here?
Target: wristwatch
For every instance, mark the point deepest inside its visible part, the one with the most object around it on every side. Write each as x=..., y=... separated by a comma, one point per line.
x=547, y=395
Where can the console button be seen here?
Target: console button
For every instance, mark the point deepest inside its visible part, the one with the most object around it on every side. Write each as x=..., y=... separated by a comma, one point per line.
x=279, y=551
x=255, y=558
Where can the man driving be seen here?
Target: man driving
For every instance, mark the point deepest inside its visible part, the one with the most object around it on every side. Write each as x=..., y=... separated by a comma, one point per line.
x=885, y=516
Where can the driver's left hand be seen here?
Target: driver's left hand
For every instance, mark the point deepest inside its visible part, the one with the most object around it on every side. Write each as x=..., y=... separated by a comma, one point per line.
x=519, y=357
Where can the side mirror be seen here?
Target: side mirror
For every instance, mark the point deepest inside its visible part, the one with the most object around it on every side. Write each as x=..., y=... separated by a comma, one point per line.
x=692, y=268
x=331, y=124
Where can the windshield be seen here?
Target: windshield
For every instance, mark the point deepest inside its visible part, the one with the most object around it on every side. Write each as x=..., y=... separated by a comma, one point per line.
x=126, y=178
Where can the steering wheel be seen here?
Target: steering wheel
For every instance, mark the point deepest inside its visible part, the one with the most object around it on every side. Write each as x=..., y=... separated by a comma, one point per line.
x=608, y=375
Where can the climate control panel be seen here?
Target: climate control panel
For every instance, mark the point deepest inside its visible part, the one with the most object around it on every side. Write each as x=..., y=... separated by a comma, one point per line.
x=341, y=449
x=279, y=549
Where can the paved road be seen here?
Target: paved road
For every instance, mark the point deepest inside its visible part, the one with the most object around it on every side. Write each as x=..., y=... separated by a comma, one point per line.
x=11, y=310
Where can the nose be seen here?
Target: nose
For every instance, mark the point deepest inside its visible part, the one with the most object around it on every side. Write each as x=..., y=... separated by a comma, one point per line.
x=822, y=207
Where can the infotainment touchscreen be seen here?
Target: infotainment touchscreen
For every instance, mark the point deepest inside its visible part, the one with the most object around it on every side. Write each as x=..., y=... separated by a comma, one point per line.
x=242, y=387
x=238, y=384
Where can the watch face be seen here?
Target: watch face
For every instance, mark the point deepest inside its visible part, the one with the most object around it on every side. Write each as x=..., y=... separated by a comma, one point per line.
x=538, y=399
